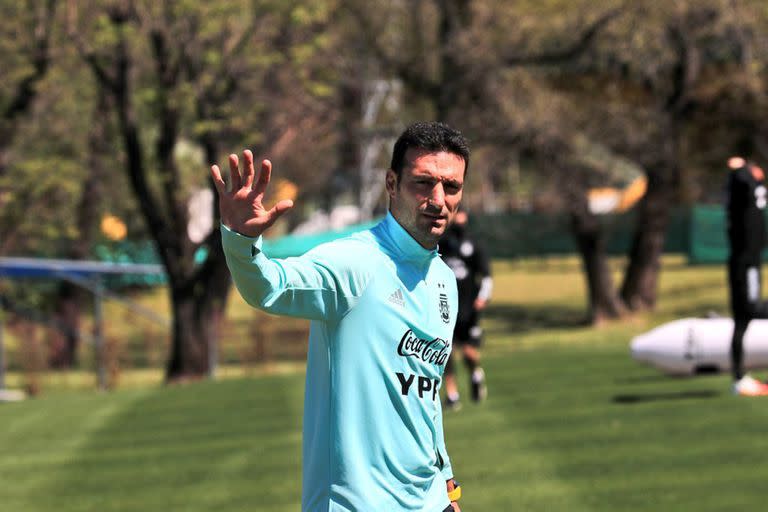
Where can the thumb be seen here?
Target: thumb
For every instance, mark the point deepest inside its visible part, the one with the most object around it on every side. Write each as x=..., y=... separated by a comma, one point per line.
x=278, y=210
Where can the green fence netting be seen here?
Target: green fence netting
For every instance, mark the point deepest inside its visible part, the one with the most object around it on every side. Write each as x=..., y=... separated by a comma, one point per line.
x=697, y=232
x=709, y=243
x=531, y=235
x=295, y=245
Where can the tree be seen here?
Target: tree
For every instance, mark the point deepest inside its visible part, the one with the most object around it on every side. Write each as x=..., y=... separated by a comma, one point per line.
x=167, y=66
x=682, y=60
x=459, y=57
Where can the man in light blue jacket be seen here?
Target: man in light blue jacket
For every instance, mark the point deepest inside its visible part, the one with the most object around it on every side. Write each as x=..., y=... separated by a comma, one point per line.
x=383, y=307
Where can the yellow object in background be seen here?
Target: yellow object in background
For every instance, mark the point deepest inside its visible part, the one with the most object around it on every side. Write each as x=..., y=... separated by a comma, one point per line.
x=633, y=193
x=113, y=228
x=283, y=189
x=613, y=199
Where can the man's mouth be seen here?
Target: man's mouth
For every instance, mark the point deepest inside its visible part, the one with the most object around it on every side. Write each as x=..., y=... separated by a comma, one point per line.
x=434, y=216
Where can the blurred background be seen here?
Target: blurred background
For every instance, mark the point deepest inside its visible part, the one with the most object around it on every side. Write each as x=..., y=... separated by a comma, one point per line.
x=599, y=135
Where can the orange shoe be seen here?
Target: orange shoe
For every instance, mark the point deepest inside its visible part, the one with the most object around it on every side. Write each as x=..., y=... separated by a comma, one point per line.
x=749, y=386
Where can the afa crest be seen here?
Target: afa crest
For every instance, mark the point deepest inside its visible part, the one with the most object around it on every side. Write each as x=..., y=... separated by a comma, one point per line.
x=445, y=313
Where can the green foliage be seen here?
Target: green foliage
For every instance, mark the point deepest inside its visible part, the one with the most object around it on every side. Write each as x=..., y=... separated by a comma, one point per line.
x=15, y=48
x=39, y=212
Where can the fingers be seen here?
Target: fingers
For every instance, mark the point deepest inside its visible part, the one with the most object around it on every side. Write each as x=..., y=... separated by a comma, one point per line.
x=218, y=181
x=248, y=168
x=264, y=176
x=246, y=180
x=234, y=172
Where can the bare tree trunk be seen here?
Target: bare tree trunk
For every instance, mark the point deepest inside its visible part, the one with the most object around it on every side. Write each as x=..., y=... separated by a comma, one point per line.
x=640, y=285
x=202, y=304
x=197, y=311
x=189, y=343
x=66, y=338
x=639, y=289
x=604, y=301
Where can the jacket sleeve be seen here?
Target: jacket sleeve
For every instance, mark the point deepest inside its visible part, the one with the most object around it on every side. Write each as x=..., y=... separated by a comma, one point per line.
x=323, y=284
x=446, y=469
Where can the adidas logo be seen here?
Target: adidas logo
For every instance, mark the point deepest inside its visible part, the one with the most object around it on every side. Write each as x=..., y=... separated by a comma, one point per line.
x=397, y=298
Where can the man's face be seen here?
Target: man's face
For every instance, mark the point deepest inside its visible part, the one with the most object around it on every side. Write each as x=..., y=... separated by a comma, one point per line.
x=428, y=194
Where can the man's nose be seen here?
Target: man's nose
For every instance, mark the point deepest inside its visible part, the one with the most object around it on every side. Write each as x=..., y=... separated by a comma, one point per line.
x=438, y=195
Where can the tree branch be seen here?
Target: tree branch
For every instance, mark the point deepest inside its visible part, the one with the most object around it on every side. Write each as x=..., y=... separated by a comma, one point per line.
x=41, y=57
x=574, y=50
x=407, y=71
x=685, y=71
x=85, y=51
x=168, y=247
x=167, y=78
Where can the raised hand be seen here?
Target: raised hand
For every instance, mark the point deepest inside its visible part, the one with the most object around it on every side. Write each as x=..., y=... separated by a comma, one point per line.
x=241, y=208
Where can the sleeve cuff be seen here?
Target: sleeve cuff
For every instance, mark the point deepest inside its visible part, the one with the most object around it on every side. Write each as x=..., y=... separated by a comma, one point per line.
x=239, y=245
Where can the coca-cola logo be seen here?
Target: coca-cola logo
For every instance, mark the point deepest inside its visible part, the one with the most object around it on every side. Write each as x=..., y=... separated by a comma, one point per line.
x=434, y=351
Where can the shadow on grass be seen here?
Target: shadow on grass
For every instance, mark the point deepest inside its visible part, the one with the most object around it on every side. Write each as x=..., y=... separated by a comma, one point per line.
x=701, y=310
x=642, y=379
x=657, y=397
x=512, y=319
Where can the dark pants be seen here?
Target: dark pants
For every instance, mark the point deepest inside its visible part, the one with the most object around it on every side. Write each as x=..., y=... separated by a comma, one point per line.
x=466, y=332
x=744, y=278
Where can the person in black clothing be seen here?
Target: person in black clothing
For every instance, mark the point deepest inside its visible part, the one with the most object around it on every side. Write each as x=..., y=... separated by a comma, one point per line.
x=470, y=264
x=745, y=204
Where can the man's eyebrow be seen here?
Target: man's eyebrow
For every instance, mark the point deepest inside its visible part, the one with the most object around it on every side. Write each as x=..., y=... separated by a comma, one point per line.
x=428, y=176
x=432, y=177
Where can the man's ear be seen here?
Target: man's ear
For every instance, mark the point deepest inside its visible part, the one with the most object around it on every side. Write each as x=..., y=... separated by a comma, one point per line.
x=391, y=182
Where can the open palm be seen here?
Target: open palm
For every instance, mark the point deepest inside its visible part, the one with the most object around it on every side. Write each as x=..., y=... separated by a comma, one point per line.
x=242, y=208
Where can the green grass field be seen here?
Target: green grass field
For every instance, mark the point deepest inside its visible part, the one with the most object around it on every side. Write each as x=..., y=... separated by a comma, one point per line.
x=571, y=423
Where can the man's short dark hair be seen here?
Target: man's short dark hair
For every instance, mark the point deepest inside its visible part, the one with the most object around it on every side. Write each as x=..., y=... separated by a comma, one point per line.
x=429, y=136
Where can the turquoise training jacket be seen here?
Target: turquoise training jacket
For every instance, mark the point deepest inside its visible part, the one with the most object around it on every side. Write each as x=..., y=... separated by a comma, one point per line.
x=382, y=312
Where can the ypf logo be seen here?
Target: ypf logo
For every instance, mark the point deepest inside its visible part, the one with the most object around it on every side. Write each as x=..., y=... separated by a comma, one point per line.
x=435, y=351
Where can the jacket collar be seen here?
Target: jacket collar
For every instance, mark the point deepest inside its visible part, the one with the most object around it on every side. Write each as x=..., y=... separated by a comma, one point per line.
x=399, y=242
